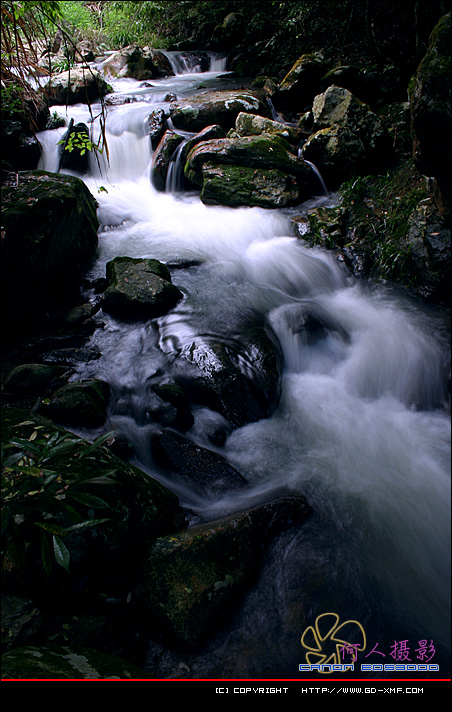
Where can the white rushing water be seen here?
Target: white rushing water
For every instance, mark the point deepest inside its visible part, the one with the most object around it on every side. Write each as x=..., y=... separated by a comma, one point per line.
x=360, y=430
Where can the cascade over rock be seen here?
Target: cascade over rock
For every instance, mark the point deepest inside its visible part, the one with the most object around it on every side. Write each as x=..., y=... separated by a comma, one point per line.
x=137, y=63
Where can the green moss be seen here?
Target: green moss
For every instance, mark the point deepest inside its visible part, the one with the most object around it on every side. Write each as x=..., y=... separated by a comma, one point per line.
x=381, y=206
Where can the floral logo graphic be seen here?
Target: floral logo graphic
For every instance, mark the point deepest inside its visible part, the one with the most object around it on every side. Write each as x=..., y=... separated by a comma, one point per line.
x=328, y=643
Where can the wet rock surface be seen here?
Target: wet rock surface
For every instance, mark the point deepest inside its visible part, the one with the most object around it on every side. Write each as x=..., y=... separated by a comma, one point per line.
x=190, y=581
x=139, y=288
x=205, y=469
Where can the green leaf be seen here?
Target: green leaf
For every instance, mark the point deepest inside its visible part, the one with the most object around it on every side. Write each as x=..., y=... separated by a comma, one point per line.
x=52, y=528
x=86, y=524
x=61, y=552
x=46, y=554
x=89, y=499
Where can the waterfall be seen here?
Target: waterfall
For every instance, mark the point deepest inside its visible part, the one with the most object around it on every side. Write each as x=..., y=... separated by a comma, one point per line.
x=360, y=430
x=190, y=62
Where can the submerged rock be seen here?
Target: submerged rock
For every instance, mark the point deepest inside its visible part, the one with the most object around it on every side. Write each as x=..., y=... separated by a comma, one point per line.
x=191, y=580
x=203, y=468
x=241, y=381
x=139, y=288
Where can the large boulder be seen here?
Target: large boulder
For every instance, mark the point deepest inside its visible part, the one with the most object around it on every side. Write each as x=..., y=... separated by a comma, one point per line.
x=253, y=125
x=263, y=152
x=258, y=170
x=49, y=233
x=242, y=381
x=348, y=137
x=217, y=107
x=191, y=580
x=139, y=288
x=240, y=185
x=298, y=86
x=77, y=86
x=137, y=63
x=430, y=100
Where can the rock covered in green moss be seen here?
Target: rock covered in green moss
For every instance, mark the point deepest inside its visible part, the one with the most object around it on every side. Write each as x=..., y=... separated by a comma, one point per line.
x=83, y=403
x=191, y=580
x=348, y=137
x=261, y=151
x=240, y=185
x=297, y=88
x=49, y=226
x=34, y=378
x=253, y=125
x=139, y=288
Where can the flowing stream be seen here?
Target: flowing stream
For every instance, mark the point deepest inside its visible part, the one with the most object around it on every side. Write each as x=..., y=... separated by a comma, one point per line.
x=361, y=429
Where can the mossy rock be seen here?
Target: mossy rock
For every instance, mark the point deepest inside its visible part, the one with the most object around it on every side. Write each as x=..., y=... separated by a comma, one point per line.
x=83, y=403
x=50, y=228
x=253, y=151
x=139, y=288
x=79, y=86
x=34, y=378
x=240, y=185
x=191, y=580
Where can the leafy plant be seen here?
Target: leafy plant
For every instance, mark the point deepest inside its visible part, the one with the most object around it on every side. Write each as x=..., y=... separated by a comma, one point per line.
x=79, y=141
x=38, y=496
